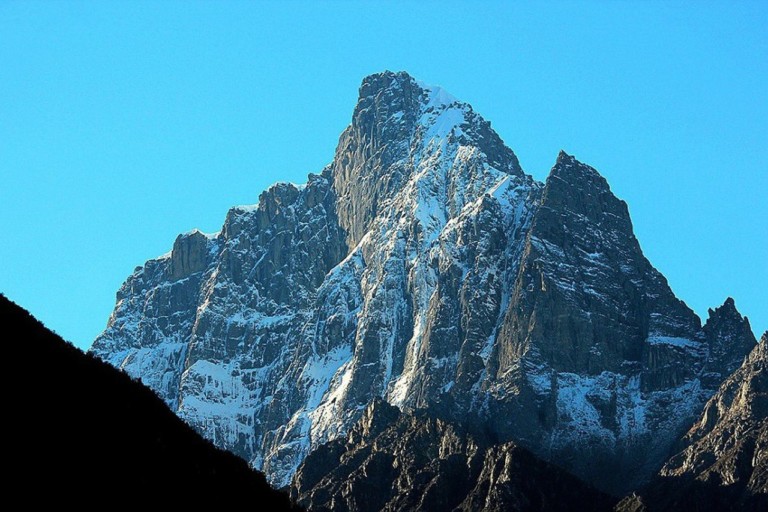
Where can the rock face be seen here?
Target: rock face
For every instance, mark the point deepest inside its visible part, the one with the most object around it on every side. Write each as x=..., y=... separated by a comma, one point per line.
x=723, y=463
x=407, y=462
x=728, y=446
x=425, y=268
x=729, y=337
x=595, y=343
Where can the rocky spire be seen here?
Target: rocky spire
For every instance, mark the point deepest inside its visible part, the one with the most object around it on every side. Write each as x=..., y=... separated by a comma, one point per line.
x=729, y=337
x=370, y=159
x=593, y=330
x=586, y=298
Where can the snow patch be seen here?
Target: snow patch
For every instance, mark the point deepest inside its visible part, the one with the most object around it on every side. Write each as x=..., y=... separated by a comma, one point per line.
x=246, y=208
x=676, y=342
x=437, y=95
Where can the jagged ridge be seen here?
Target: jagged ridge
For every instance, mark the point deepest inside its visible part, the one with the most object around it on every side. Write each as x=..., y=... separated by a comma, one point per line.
x=414, y=462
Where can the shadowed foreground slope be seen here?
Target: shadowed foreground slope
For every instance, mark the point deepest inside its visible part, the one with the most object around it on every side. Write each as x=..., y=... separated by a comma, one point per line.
x=82, y=431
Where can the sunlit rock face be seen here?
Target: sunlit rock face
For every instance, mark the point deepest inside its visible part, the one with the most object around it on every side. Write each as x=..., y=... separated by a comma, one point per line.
x=728, y=445
x=721, y=463
x=423, y=267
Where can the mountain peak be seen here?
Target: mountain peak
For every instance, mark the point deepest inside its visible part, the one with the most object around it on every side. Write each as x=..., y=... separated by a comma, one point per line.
x=563, y=157
x=729, y=336
x=377, y=82
x=425, y=268
x=573, y=186
x=728, y=307
x=401, y=81
x=404, y=99
x=574, y=172
x=400, y=128
x=727, y=311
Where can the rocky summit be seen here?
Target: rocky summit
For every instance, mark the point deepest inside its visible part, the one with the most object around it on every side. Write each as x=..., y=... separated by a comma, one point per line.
x=425, y=269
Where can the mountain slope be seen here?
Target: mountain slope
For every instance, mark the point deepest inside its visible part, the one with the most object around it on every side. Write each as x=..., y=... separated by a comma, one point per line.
x=424, y=267
x=84, y=432
x=729, y=444
x=407, y=462
x=723, y=463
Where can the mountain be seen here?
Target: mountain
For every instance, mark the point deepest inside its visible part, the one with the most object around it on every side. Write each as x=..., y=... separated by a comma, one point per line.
x=398, y=461
x=723, y=461
x=423, y=267
x=82, y=432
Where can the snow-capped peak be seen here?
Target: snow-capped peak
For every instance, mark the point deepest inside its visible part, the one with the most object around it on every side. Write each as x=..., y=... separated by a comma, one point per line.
x=437, y=95
x=423, y=267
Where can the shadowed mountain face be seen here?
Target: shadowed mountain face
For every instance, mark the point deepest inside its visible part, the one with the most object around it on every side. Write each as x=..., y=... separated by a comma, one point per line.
x=413, y=462
x=83, y=432
x=423, y=267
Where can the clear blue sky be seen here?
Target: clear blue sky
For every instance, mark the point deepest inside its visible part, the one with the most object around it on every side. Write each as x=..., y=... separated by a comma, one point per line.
x=123, y=124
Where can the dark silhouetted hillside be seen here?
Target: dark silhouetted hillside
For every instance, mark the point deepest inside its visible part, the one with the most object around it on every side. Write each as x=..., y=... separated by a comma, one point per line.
x=82, y=431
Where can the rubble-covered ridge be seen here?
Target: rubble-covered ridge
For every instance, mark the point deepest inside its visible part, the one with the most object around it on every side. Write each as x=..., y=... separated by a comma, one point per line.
x=415, y=462
x=425, y=268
